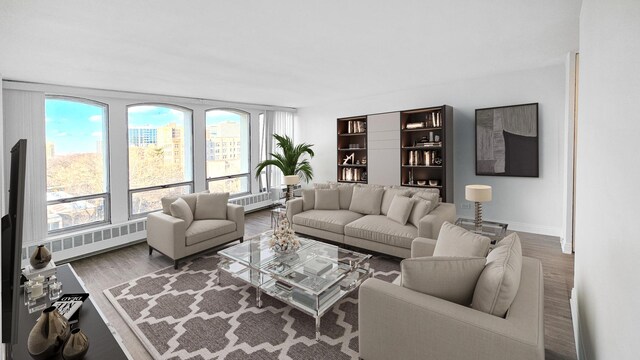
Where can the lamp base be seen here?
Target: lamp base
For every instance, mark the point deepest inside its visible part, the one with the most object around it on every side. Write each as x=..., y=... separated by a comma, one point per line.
x=289, y=195
x=478, y=219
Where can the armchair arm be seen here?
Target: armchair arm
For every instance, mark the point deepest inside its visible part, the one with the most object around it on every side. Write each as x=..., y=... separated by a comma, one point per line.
x=399, y=323
x=421, y=247
x=166, y=234
x=235, y=213
x=293, y=207
x=429, y=226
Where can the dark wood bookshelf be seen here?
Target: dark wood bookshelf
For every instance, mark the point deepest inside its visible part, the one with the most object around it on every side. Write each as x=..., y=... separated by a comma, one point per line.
x=352, y=131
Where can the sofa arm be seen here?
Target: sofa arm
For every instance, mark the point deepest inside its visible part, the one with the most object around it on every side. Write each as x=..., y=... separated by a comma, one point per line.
x=166, y=234
x=235, y=213
x=429, y=226
x=293, y=207
x=421, y=247
x=399, y=323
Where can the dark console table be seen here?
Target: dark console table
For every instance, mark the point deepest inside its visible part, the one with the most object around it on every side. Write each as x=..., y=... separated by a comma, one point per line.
x=104, y=343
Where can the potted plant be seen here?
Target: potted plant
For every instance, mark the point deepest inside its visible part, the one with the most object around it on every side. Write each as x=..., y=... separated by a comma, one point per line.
x=291, y=161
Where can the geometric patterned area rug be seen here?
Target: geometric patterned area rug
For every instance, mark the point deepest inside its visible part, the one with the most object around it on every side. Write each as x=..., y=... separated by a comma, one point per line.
x=182, y=314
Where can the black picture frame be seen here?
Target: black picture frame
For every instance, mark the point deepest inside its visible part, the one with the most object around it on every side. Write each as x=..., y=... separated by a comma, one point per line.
x=513, y=152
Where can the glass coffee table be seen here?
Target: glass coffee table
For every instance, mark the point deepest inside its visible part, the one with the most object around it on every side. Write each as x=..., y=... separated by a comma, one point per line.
x=311, y=280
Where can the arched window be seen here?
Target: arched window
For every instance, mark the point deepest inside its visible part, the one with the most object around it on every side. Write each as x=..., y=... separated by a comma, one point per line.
x=228, y=151
x=77, y=162
x=160, y=155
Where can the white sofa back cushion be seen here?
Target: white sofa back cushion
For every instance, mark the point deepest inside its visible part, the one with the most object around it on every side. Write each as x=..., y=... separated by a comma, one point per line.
x=211, y=206
x=456, y=241
x=327, y=199
x=346, y=193
x=181, y=210
x=308, y=199
x=366, y=200
x=387, y=198
x=420, y=209
x=449, y=278
x=430, y=196
x=499, y=282
x=400, y=209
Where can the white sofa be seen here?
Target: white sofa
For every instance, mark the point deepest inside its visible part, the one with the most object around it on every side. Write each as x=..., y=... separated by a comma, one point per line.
x=170, y=235
x=372, y=232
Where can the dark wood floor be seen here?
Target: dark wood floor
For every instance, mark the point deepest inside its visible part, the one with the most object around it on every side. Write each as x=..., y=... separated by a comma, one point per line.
x=106, y=270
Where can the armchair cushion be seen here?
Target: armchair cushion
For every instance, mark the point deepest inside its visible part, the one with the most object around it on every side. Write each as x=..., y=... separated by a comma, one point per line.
x=366, y=200
x=420, y=209
x=211, y=206
x=181, y=210
x=327, y=199
x=448, y=278
x=400, y=209
x=201, y=230
x=191, y=199
x=499, y=282
x=456, y=241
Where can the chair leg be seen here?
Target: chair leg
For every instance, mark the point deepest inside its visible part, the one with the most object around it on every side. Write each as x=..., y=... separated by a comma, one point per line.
x=241, y=239
x=150, y=250
x=175, y=264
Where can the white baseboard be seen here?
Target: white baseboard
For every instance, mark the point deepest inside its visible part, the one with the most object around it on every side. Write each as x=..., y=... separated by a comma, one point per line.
x=533, y=228
x=577, y=332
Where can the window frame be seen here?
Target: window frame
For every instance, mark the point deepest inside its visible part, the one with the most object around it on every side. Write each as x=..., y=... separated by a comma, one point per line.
x=130, y=191
x=208, y=179
x=106, y=195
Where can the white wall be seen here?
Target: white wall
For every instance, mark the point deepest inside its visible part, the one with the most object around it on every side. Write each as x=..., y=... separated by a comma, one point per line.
x=527, y=204
x=607, y=285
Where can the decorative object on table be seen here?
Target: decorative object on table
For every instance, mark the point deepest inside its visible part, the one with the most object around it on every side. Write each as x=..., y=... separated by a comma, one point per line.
x=507, y=141
x=76, y=347
x=40, y=257
x=290, y=160
x=433, y=182
x=55, y=288
x=478, y=194
x=284, y=240
x=69, y=304
x=48, y=335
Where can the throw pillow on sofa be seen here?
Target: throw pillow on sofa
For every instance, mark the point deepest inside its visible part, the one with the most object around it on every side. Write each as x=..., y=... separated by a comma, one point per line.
x=449, y=278
x=420, y=209
x=308, y=199
x=429, y=196
x=400, y=209
x=211, y=206
x=366, y=200
x=181, y=210
x=327, y=199
x=499, y=282
x=456, y=241
x=346, y=193
x=387, y=198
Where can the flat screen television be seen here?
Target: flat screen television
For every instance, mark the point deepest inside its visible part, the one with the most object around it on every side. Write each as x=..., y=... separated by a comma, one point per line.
x=12, y=245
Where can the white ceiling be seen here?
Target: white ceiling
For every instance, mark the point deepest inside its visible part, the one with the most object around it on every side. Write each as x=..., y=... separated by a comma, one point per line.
x=289, y=53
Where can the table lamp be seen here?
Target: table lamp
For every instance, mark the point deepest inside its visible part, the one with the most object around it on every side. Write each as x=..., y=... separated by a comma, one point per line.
x=290, y=181
x=478, y=194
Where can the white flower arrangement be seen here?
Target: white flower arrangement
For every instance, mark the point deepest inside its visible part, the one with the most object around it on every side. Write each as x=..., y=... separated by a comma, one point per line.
x=284, y=239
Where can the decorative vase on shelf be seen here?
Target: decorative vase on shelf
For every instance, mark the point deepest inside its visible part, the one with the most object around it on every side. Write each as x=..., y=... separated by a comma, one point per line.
x=40, y=257
x=48, y=335
x=76, y=347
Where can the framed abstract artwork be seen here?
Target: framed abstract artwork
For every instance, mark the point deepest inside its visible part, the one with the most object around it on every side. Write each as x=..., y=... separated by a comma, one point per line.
x=507, y=141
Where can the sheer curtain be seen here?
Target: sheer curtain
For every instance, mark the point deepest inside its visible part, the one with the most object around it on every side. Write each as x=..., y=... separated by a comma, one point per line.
x=276, y=122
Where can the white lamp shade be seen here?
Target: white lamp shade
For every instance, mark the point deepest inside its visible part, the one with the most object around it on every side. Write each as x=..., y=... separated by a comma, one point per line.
x=291, y=179
x=477, y=193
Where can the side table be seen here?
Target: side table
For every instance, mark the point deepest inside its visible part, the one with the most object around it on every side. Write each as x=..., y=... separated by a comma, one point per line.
x=493, y=230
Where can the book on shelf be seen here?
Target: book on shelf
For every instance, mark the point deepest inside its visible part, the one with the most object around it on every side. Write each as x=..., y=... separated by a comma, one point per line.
x=68, y=305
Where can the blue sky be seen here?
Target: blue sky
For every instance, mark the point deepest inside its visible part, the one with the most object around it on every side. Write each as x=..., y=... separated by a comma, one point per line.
x=75, y=127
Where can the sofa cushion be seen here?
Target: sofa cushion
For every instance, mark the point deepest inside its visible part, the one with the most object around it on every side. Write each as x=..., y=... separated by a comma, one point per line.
x=327, y=199
x=448, y=278
x=387, y=198
x=381, y=229
x=400, y=209
x=189, y=198
x=499, y=282
x=181, y=210
x=420, y=209
x=211, y=206
x=430, y=196
x=456, y=241
x=202, y=230
x=327, y=220
x=366, y=200
x=321, y=186
x=308, y=199
x=346, y=192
